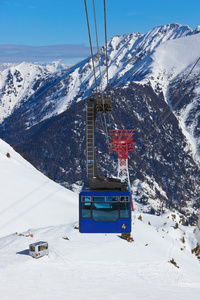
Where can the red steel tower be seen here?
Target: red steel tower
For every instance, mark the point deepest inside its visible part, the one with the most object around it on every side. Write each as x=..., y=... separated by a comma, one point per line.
x=122, y=141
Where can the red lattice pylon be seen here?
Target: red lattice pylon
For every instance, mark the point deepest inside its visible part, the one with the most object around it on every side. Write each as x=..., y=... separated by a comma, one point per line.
x=122, y=141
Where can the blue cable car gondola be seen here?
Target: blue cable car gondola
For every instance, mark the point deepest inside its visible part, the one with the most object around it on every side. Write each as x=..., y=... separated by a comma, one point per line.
x=104, y=203
x=104, y=211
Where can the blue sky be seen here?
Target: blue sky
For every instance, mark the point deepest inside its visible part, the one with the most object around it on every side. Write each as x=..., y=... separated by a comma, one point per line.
x=33, y=30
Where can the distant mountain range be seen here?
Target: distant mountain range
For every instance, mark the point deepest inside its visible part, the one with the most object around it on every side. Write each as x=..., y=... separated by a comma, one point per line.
x=42, y=115
x=50, y=67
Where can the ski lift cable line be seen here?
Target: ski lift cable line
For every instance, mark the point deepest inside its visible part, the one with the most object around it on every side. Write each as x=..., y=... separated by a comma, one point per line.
x=106, y=53
x=158, y=124
x=106, y=50
x=106, y=131
x=91, y=46
x=98, y=51
x=25, y=211
x=105, y=123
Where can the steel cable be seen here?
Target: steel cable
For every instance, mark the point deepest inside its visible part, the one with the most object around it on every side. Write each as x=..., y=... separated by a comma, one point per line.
x=106, y=50
x=98, y=52
x=91, y=46
x=103, y=121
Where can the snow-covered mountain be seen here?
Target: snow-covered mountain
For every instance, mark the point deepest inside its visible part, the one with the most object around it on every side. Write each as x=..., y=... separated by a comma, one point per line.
x=129, y=59
x=17, y=84
x=28, y=199
x=158, y=264
x=54, y=65
x=172, y=62
x=145, y=72
x=4, y=66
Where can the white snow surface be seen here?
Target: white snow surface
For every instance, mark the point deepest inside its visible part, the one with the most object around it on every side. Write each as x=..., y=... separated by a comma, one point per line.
x=87, y=266
x=173, y=60
x=174, y=57
x=21, y=86
x=54, y=65
x=28, y=199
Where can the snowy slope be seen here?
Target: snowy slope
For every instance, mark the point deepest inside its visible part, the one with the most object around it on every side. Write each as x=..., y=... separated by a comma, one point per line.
x=172, y=62
x=129, y=59
x=103, y=266
x=17, y=84
x=4, y=66
x=172, y=58
x=85, y=266
x=54, y=66
x=28, y=199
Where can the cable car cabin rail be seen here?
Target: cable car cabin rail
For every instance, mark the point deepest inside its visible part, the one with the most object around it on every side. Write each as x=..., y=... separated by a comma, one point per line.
x=107, y=211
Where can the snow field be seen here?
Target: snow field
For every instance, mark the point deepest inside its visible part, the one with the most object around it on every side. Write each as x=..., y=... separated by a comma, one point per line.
x=85, y=266
x=28, y=198
x=104, y=266
x=21, y=85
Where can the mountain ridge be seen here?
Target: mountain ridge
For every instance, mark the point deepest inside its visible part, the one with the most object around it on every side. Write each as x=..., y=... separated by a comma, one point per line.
x=80, y=76
x=142, y=83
